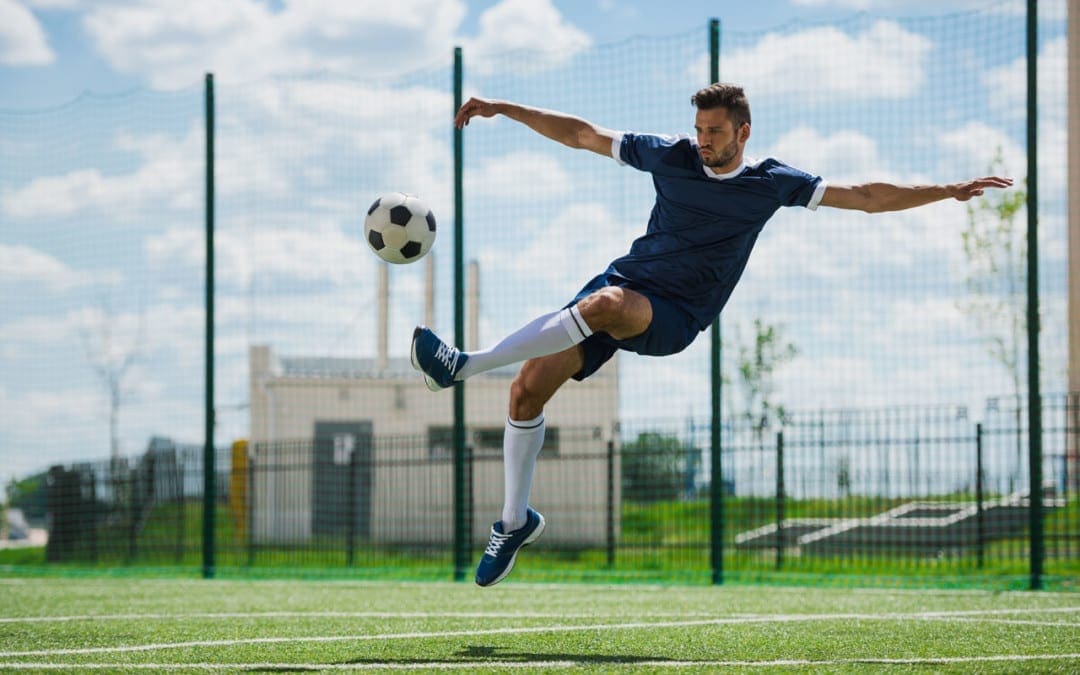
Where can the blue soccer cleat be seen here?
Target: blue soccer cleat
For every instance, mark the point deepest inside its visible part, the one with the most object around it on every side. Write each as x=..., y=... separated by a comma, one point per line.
x=437, y=360
x=503, y=548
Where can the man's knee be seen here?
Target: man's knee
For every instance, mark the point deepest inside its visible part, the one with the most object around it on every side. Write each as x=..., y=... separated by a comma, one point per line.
x=617, y=311
x=539, y=379
x=603, y=306
x=525, y=401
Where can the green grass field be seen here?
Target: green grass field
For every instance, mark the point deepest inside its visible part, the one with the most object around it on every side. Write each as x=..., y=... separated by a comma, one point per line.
x=109, y=624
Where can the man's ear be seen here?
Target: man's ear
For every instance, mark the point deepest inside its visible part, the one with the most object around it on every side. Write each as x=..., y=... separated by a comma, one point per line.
x=744, y=133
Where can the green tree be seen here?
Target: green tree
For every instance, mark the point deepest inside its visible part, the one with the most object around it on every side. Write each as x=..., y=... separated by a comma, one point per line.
x=995, y=245
x=758, y=362
x=654, y=467
x=111, y=362
x=28, y=495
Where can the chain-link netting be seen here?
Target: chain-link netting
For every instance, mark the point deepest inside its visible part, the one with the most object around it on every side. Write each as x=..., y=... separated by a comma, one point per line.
x=874, y=366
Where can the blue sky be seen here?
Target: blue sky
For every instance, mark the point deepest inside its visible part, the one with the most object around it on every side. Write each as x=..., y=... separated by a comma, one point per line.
x=834, y=92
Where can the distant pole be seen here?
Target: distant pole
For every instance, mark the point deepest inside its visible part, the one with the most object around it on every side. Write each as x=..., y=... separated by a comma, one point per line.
x=1073, y=399
x=716, y=475
x=462, y=500
x=209, y=471
x=1035, y=515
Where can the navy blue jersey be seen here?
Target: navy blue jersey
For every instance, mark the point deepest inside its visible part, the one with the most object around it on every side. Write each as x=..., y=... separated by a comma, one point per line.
x=703, y=225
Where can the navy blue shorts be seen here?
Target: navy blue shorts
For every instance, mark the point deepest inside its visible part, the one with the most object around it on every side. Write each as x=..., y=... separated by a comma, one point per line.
x=672, y=329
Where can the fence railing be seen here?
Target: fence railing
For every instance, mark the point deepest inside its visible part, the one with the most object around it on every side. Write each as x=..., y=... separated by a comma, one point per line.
x=918, y=493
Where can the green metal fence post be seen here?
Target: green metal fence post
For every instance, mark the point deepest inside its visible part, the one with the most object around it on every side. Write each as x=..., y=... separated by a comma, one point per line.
x=610, y=504
x=980, y=525
x=779, y=499
x=461, y=499
x=209, y=471
x=716, y=487
x=1035, y=510
x=350, y=529
x=133, y=515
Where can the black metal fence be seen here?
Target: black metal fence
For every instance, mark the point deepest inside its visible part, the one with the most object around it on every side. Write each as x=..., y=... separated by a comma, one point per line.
x=925, y=494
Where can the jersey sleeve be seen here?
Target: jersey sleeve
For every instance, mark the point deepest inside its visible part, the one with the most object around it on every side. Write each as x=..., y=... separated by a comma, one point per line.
x=796, y=187
x=645, y=152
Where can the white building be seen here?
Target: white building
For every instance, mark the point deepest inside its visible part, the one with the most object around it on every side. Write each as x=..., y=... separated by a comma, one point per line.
x=334, y=435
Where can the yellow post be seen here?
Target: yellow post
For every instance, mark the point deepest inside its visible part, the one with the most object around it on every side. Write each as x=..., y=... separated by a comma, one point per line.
x=238, y=479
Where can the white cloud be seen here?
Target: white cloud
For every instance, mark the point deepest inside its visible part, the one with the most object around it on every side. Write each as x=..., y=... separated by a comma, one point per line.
x=316, y=252
x=1006, y=89
x=78, y=329
x=582, y=236
x=845, y=156
x=271, y=145
x=683, y=378
x=1006, y=86
x=533, y=26
x=171, y=174
x=968, y=150
x=23, y=264
x=501, y=177
x=396, y=139
x=825, y=63
x=22, y=39
x=49, y=424
x=56, y=4
x=172, y=42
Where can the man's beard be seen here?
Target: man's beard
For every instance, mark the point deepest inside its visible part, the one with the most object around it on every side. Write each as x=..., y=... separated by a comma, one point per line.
x=726, y=154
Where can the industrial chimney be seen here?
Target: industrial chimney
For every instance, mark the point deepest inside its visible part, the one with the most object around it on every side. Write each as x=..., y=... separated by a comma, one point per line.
x=383, y=320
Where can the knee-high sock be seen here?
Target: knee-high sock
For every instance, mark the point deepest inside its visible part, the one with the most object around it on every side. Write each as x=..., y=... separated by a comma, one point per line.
x=548, y=334
x=522, y=441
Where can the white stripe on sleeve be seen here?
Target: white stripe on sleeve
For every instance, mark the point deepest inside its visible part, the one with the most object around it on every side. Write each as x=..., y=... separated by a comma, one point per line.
x=819, y=192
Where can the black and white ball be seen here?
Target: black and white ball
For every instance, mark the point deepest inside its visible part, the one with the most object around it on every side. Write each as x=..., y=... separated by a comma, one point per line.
x=400, y=228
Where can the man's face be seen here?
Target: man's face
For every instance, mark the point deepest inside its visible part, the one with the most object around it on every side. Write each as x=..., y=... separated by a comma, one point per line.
x=720, y=142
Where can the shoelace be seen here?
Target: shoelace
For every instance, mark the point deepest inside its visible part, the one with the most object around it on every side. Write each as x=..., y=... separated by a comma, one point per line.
x=447, y=355
x=495, y=544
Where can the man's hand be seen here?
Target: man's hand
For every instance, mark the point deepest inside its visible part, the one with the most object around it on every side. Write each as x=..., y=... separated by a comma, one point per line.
x=973, y=188
x=472, y=108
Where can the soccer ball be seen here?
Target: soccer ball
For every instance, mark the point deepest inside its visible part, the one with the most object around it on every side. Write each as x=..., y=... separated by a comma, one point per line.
x=400, y=228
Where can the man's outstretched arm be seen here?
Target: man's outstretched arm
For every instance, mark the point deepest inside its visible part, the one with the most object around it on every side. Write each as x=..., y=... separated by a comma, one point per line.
x=878, y=197
x=571, y=131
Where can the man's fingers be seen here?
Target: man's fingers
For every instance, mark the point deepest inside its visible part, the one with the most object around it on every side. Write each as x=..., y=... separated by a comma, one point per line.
x=466, y=112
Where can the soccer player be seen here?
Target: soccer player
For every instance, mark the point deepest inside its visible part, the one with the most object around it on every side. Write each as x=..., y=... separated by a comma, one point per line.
x=711, y=204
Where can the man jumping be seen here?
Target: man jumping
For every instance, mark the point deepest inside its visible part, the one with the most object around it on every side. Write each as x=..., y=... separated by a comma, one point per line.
x=711, y=204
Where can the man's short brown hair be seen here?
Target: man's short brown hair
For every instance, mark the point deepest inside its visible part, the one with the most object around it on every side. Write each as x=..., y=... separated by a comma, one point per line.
x=728, y=96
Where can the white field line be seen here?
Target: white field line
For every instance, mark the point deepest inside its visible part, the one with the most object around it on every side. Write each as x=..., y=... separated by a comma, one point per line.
x=319, y=614
x=575, y=586
x=563, y=664
x=530, y=586
x=570, y=628
x=1012, y=622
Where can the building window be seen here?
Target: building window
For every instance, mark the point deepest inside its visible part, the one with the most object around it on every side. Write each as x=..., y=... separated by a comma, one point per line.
x=344, y=444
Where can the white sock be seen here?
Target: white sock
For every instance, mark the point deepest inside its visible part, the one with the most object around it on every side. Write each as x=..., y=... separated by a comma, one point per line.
x=522, y=441
x=548, y=334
